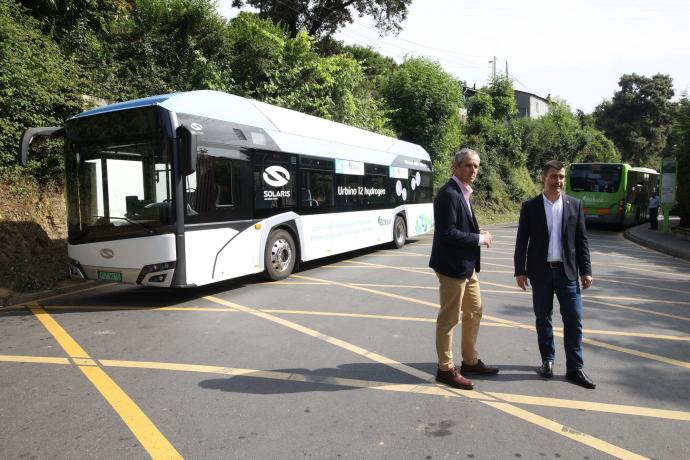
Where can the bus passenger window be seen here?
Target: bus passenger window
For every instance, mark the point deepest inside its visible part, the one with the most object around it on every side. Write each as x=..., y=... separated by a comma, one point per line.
x=320, y=186
x=217, y=190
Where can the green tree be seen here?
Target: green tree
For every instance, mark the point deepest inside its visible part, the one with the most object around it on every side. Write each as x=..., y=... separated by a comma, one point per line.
x=680, y=140
x=323, y=19
x=503, y=98
x=561, y=135
x=270, y=66
x=164, y=46
x=38, y=87
x=426, y=102
x=638, y=118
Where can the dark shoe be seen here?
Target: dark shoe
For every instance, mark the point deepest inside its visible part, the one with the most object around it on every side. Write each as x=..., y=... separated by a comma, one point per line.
x=546, y=369
x=453, y=378
x=579, y=377
x=480, y=369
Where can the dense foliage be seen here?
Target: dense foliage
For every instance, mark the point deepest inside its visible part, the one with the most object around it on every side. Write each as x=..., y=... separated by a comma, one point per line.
x=53, y=53
x=323, y=19
x=426, y=102
x=680, y=147
x=38, y=87
x=638, y=118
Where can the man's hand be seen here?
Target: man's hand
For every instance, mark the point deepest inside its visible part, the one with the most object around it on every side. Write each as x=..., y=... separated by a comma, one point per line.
x=586, y=281
x=522, y=281
x=487, y=237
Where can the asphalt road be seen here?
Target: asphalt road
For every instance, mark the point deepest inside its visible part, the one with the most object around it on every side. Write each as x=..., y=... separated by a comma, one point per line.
x=338, y=362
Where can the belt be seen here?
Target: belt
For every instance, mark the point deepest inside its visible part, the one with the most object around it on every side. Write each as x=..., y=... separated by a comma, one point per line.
x=555, y=264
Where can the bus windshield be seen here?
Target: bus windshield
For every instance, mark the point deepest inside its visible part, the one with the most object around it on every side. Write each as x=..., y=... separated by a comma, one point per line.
x=595, y=177
x=119, y=186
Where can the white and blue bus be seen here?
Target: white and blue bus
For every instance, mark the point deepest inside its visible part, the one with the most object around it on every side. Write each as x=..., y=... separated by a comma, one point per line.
x=191, y=188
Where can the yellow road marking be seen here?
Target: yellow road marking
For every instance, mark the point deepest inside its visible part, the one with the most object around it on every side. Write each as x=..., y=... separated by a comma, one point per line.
x=409, y=269
x=563, y=430
x=33, y=359
x=484, y=398
x=78, y=291
x=646, y=285
x=140, y=308
x=427, y=389
x=286, y=376
x=649, y=272
x=638, y=299
x=593, y=406
x=333, y=341
x=395, y=296
x=157, y=446
x=641, y=310
x=399, y=252
x=67, y=343
x=641, y=354
x=513, y=323
x=681, y=338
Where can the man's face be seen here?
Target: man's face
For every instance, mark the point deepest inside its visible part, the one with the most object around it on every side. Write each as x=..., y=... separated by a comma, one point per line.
x=467, y=170
x=554, y=181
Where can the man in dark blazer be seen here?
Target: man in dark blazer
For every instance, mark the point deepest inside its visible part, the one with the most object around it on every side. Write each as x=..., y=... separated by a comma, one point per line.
x=455, y=259
x=551, y=250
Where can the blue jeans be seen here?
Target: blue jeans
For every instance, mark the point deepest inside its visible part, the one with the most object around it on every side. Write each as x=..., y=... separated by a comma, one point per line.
x=568, y=294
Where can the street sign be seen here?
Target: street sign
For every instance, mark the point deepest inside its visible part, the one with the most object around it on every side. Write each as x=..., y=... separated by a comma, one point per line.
x=668, y=182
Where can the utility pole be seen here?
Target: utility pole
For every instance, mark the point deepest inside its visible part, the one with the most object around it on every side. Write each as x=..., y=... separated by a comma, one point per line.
x=506, y=69
x=493, y=71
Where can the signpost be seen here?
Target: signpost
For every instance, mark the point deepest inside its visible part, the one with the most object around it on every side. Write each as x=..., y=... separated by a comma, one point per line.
x=668, y=188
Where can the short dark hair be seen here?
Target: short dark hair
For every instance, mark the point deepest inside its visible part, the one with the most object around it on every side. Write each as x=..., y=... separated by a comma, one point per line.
x=555, y=164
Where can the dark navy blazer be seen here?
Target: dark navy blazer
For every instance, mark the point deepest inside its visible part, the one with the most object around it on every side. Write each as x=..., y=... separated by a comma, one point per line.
x=455, y=250
x=532, y=242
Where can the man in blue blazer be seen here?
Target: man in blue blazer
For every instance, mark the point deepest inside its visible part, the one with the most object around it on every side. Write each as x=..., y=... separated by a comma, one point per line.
x=551, y=250
x=455, y=259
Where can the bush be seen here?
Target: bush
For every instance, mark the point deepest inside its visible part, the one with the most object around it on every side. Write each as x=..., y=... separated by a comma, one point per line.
x=38, y=87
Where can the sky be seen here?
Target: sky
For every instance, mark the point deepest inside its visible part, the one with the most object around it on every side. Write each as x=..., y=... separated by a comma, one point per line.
x=572, y=50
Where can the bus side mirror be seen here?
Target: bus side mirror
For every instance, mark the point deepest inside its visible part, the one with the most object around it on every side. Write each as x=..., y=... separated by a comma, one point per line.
x=187, y=144
x=30, y=134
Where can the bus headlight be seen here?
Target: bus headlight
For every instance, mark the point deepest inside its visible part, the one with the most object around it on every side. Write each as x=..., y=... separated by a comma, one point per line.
x=165, y=267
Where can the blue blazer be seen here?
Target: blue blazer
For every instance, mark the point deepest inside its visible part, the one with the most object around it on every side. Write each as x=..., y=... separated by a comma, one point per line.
x=532, y=242
x=455, y=249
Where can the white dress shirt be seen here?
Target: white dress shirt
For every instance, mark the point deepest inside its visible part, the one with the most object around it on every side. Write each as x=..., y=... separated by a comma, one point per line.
x=554, y=220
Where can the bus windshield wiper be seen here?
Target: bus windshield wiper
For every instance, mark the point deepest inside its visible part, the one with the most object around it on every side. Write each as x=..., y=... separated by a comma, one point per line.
x=136, y=222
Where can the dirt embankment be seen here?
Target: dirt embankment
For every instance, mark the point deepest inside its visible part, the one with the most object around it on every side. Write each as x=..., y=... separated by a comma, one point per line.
x=33, y=231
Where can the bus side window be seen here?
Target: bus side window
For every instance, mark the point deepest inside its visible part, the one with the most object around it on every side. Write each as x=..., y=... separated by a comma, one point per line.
x=217, y=190
x=319, y=184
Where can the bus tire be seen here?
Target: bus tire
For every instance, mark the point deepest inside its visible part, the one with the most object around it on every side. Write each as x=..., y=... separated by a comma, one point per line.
x=280, y=255
x=399, y=232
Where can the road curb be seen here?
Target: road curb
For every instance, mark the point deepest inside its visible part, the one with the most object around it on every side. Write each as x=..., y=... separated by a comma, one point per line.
x=669, y=249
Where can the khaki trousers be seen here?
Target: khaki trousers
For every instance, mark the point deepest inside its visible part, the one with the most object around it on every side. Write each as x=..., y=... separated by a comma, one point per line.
x=458, y=294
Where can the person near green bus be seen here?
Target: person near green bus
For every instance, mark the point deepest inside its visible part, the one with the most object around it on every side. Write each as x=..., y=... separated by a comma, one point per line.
x=551, y=249
x=654, y=211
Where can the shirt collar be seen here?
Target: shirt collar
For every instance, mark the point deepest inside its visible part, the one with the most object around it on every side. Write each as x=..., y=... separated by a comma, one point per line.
x=559, y=200
x=465, y=188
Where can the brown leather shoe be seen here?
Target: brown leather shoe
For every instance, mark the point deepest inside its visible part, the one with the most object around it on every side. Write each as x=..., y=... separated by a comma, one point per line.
x=453, y=378
x=480, y=369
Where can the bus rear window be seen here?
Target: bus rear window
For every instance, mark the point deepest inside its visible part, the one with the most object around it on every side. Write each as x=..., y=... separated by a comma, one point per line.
x=595, y=178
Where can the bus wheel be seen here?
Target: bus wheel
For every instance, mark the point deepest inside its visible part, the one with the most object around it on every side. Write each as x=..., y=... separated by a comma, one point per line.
x=399, y=232
x=280, y=254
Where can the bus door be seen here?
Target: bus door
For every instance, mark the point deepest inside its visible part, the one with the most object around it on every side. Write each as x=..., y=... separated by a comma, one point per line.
x=218, y=211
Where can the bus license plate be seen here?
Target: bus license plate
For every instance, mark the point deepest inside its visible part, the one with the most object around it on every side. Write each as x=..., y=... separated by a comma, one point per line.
x=110, y=276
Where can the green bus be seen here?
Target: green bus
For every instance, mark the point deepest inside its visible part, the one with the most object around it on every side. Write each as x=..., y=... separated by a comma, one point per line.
x=612, y=193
